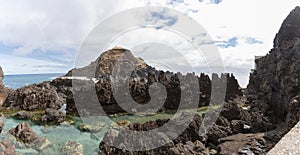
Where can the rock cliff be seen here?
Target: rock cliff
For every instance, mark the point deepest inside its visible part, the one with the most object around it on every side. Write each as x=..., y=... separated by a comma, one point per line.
x=3, y=90
x=274, y=86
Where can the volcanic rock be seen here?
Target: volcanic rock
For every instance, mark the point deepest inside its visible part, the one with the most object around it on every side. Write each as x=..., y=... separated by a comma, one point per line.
x=1, y=125
x=53, y=117
x=3, y=90
x=274, y=85
x=35, y=97
x=243, y=144
x=24, y=133
x=72, y=148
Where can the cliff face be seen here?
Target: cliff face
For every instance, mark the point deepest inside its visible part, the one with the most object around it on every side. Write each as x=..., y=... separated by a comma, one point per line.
x=274, y=86
x=3, y=89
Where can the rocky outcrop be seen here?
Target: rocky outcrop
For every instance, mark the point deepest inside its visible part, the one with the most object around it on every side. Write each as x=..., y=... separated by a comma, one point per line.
x=108, y=62
x=274, y=85
x=141, y=81
x=3, y=90
x=24, y=133
x=35, y=97
x=187, y=140
x=53, y=117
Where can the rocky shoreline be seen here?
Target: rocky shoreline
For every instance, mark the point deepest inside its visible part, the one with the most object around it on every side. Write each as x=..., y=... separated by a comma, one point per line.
x=251, y=121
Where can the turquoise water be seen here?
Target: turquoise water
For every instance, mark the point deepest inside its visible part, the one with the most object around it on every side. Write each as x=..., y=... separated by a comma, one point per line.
x=17, y=81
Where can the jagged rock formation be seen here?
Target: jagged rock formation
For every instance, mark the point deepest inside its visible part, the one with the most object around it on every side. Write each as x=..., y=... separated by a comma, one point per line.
x=274, y=86
x=110, y=68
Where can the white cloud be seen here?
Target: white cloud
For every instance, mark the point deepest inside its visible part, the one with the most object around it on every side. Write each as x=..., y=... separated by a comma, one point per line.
x=62, y=25
x=12, y=63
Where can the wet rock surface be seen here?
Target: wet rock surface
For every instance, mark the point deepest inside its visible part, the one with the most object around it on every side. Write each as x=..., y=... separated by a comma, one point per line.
x=53, y=117
x=24, y=133
x=72, y=148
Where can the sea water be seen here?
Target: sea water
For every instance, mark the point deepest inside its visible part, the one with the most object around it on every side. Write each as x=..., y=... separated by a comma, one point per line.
x=20, y=80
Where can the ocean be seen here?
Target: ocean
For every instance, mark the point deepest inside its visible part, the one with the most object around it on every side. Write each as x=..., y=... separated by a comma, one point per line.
x=17, y=81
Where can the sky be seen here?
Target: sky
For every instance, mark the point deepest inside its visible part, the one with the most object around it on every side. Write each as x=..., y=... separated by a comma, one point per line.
x=45, y=36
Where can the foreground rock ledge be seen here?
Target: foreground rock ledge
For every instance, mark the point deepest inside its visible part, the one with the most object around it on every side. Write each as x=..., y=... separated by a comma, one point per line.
x=289, y=144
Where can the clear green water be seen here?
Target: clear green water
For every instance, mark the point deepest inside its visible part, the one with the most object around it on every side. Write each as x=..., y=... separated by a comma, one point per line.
x=59, y=135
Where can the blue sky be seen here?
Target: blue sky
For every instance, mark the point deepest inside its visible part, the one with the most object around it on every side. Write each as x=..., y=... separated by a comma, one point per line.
x=43, y=37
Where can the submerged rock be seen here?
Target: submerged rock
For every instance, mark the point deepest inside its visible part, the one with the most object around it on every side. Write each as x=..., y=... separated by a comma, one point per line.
x=1, y=125
x=7, y=148
x=24, y=133
x=72, y=148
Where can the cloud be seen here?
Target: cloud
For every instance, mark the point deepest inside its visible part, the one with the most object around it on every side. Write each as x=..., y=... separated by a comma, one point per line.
x=49, y=31
x=161, y=19
x=216, y=1
x=20, y=65
x=251, y=41
x=232, y=42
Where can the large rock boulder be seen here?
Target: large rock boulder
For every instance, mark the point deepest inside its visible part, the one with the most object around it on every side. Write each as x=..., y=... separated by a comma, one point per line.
x=35, y=97
x=25, y=134
x=53, y=117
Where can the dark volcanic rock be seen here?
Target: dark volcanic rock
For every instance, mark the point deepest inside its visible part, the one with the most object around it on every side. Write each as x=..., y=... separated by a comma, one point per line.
x=23, y=115
x=53, y=116
x=142, y=82
x=186, y=142
x=24, y=133
x=243, y=144
x=275, y=85
x=1, y=125
x=35, y=97
x=289, y=31
x=3, y=90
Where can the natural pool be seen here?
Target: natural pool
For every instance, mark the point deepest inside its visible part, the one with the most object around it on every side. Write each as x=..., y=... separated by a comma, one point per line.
x=58, y=135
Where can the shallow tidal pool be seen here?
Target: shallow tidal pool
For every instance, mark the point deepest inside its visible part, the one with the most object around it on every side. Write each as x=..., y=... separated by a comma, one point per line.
x=58, y=135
